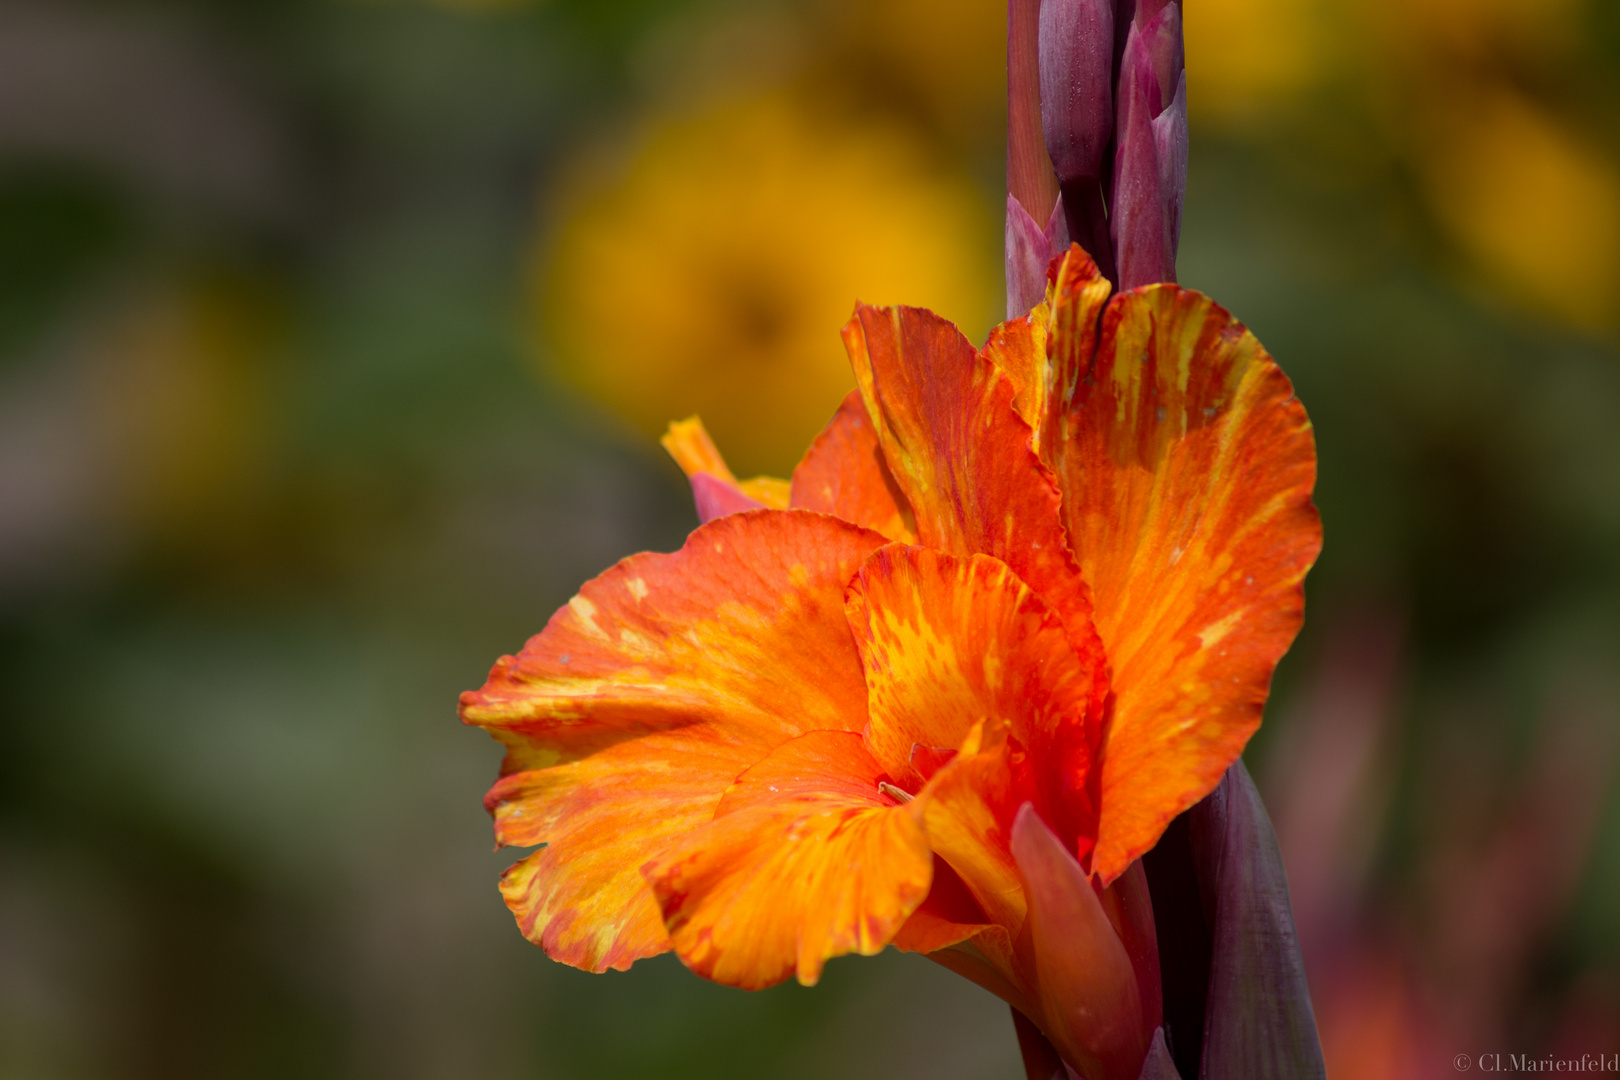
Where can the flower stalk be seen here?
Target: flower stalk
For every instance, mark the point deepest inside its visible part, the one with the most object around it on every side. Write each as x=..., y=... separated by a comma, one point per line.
x=1112, y=112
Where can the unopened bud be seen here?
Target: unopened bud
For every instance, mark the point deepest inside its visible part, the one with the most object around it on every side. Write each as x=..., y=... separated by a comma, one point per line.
x=1077, y=68
x=1150, y=157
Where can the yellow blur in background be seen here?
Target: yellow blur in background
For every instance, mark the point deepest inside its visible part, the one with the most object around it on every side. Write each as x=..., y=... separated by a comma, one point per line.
x=1523, y=189
x=699, y=267
x=711, y=272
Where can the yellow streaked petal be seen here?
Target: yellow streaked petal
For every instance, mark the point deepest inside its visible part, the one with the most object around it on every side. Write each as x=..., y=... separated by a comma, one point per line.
x=634, y=711
x=807, y=860
x=1187, y=466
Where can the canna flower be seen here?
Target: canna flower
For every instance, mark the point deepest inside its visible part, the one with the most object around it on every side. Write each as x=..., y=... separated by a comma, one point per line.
x=1016, y=610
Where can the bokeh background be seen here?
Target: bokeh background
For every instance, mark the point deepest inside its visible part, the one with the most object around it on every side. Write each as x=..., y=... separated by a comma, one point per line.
x=334, y=338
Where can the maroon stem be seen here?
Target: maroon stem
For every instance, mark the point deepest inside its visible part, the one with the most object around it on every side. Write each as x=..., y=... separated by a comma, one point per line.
x=1030, y=177
x=1041, y=1060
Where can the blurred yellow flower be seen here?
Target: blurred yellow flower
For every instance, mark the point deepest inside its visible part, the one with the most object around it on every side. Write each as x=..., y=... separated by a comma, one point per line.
x=1249, y=55
x=710, y=273
x=1533, y=203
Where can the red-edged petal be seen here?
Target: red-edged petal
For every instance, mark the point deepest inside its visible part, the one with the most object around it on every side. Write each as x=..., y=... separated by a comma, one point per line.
x=961, y=454
x=844, y=474
x=807, y=859
x=947, y=642
x=1187, y=466
x=1089, y=1001
x=644, y=698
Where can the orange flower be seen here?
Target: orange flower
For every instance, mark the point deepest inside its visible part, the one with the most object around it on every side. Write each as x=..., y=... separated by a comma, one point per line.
x=1017, y=609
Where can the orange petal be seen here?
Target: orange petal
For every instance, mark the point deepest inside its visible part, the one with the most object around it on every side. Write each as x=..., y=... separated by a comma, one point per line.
x=1018, y=348
x=1187, y=466
x=968, y=808
x=961, y=455
x=947, y=916
x=806, y=860
x=645, y=697
x=844, y=474
x=715, y=490
x=947, y=642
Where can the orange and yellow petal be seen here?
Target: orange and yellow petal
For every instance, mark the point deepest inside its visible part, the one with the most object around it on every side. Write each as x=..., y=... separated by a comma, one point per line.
x=582, y=899
x=807, y=859
x=968, y=809
x=947, y=642
x=1187, y=466
x=636, y=708
x=962, y=455
x=844, y=474
x=1018, y=348
x=948, y=915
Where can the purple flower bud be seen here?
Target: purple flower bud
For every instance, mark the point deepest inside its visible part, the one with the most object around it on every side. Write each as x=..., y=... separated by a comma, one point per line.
x=1030, y=177
x=1077, y=68
x=1170, y=140
x=1150, y=157
x=1160, y=23
x=1077, y=113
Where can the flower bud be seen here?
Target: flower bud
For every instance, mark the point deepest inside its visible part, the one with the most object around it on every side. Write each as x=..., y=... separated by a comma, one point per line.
x=1077, y=68
x=1150, y=157
x=1077, y=114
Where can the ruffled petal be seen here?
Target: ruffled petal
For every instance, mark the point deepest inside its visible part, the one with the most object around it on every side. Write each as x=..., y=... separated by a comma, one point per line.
x=1187, y=466
x=636, y=708
x=962, y=456
x=968, y=810
x=844, y=474
x=1018, y=348
x=715, y=491
x=807, y=859
x=947, y=642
